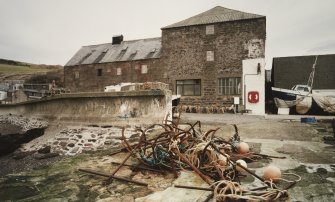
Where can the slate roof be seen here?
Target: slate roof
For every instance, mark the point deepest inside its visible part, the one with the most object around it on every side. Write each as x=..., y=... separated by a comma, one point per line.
x=215, y=15
x=126, y=51
x=290, y=71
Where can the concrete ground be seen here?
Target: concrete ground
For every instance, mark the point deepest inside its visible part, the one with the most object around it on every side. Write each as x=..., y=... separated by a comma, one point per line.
x=309, y=151
x=244, y=118
x=309, y=148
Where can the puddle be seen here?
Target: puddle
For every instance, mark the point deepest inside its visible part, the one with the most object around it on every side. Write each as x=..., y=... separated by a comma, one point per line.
x=313, y=168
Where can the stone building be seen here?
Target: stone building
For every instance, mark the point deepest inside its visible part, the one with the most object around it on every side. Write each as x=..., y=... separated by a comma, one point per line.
x=94, y=67
x=200, y=58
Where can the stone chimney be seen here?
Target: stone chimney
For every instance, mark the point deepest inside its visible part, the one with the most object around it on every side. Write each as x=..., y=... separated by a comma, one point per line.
x=117, y=39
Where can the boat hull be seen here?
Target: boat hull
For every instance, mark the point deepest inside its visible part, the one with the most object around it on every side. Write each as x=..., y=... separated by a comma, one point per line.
x=284, y=95
x=326, y=102
x=304, y=106
x=299, y=102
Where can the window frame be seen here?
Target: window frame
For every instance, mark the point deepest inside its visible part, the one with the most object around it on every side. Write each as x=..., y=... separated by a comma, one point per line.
x=99, y=72
x=210, y=29
x=210, y=56
x=144, y=69
x=76, y=75
x=196, y=85
x=118, y=71
x=225, y=89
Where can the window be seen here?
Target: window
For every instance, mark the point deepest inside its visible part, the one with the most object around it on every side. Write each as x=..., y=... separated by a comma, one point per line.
x=209, y=29
x=144, y=69
x=76, y=75
x=210, y=56
x=151, y=53
x=132, y=55
x=122, y=53
x=84, y=58
x=230, y=86
x=189, y=87
x=118, y=71
x=99, y=72
x=102, y=55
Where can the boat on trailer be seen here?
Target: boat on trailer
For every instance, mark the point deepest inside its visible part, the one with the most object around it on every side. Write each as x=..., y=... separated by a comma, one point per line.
x=303, y=97
x=299, y=96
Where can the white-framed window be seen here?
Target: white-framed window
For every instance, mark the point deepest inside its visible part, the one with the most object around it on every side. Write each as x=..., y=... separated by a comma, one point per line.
x=190, y=87
x=209, y=29
x=229, y=86
x=144, y=69
x=118, y=71
x=76, y=75
x=210, y=55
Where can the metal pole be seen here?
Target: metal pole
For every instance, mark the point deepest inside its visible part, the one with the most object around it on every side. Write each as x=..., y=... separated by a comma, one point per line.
x=109, y=176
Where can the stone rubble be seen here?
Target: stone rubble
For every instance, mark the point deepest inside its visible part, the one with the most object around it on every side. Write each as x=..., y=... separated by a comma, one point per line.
x=16, y=130
x=75, y=140
x=17, y=124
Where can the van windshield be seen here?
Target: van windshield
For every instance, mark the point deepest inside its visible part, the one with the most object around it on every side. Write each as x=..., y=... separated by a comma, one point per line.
x=300, y=88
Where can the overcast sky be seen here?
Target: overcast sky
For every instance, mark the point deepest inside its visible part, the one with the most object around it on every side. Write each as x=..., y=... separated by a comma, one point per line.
x=51, y=31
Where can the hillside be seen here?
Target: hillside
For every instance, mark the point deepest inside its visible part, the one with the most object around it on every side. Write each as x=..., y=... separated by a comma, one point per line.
x=15, y=70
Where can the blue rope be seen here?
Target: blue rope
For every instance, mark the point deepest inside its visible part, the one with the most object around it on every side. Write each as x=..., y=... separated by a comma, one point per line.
x=159, y=156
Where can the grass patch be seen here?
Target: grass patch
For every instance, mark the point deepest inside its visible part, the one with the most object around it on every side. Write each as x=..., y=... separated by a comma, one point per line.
x=14, y=69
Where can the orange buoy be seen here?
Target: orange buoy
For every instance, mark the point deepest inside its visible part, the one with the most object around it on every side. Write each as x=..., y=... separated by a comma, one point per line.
x=272, y=173
x=243, y=148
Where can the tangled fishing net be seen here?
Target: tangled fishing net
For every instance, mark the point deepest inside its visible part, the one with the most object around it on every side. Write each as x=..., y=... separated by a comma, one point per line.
x=213, y=158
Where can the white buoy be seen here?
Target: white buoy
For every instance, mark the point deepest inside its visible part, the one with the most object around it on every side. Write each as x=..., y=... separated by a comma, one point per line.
x=242, y=163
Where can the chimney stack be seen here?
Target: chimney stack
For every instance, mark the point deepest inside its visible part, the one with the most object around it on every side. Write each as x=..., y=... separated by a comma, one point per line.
x=117, y=39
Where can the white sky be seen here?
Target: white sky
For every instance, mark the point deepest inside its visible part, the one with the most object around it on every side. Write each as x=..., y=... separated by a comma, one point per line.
x=52, y=31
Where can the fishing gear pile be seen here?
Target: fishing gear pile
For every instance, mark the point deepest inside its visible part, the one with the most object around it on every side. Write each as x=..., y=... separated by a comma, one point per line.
x=220, y=163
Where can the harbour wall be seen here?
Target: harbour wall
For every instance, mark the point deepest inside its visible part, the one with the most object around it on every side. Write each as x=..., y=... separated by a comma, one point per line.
x=114, y=108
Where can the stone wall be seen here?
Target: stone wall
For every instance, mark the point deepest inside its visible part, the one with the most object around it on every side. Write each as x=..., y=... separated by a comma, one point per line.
x=114, y=108
x=184, y=52
x=84, y=78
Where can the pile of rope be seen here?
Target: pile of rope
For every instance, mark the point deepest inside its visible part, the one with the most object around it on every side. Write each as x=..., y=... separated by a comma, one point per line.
x=213, y=158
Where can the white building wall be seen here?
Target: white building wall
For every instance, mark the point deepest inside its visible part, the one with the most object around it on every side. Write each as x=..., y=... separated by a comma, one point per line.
x=3, y=95
x=254, y=81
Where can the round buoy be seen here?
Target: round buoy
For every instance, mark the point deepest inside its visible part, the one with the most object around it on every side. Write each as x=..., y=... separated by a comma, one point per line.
x=242, y=163
x=272, y=173
x=243, y=148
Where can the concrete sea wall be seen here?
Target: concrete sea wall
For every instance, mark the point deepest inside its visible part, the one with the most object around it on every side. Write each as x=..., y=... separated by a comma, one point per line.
x=114, y=108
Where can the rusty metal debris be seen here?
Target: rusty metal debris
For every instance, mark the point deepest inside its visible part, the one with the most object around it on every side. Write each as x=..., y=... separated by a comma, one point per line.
x=211, y=157
x=110, y=176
